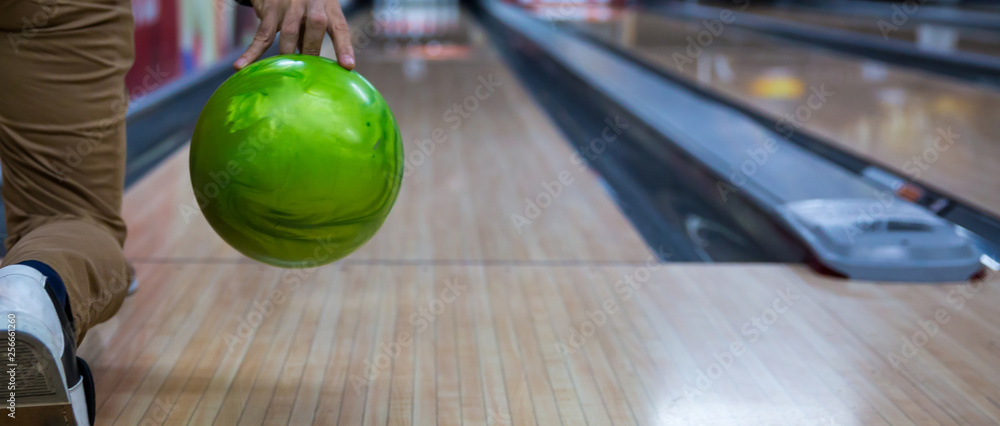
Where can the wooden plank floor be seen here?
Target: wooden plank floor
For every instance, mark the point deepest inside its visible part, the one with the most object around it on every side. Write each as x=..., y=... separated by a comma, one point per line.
x=451, y=316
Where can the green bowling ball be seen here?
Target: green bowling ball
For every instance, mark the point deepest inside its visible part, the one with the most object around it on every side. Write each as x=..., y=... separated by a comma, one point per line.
x=295, y=161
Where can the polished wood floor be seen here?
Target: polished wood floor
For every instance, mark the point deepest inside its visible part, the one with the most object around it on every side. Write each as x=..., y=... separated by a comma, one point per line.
x=962, y=39
x=451, y=316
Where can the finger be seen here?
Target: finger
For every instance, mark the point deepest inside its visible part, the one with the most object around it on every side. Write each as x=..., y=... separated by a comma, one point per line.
x=341, y=35
x=290, y=28
x=302, y=32
x=264, y=37
x=315, y=28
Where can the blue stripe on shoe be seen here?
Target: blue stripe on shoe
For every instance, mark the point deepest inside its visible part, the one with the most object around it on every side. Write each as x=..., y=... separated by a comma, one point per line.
x=55, y=282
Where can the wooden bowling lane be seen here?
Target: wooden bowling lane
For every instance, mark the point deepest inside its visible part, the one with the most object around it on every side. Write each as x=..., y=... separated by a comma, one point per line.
x=450, y=316
x=922, y=126
x=926, y=35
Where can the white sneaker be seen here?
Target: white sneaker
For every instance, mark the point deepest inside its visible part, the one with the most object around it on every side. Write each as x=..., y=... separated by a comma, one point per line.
x=133, y=285
x=44, y=382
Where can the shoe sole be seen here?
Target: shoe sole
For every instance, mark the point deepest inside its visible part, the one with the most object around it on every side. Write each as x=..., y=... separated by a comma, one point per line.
x=40, y=397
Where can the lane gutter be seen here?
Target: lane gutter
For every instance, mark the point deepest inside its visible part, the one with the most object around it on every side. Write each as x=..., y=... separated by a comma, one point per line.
x=984, y=226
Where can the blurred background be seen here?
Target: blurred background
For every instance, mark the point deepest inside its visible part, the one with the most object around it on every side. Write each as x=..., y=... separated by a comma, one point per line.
x=183, y=38
x=872, y=97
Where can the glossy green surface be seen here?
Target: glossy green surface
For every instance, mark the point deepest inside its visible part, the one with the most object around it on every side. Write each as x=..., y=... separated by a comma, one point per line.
x=295, y=161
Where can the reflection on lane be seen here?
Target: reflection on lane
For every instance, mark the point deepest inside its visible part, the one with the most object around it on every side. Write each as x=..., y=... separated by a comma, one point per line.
x=475, y=150
x=414, y=34
x=926, y=127
x=405, y=53
x=417, y=31
x=926, y=36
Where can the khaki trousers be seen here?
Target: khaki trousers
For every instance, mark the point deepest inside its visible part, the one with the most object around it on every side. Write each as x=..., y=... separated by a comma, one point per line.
x=62, y=144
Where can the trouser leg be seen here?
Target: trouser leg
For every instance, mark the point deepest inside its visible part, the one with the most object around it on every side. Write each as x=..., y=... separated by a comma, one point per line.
x=62, y=144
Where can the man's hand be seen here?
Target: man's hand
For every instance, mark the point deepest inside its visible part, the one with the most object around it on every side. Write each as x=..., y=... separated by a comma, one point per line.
x=302, y=24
